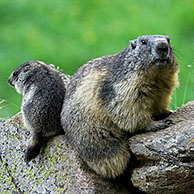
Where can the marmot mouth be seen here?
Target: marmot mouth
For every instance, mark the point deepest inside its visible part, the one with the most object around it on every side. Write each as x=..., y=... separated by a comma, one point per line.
x=161, y=61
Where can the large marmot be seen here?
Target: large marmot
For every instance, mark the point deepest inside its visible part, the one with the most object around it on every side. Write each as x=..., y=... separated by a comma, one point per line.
x=116, y=95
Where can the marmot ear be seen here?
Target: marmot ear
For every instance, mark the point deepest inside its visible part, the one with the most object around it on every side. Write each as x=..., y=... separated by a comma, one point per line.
x=133, y=44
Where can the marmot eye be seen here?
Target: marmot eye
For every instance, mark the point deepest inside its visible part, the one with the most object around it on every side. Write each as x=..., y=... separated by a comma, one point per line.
x=143, y=42
x=14, y=73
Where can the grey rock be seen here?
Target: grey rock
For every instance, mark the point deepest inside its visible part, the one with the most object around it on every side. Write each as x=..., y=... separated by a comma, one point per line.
x=165, y=161
x=166, y=158
x=57, y=169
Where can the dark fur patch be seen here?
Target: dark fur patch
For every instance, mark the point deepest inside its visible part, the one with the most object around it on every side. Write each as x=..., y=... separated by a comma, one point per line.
x=106, y=91
x=33, y=149
x=162, y=115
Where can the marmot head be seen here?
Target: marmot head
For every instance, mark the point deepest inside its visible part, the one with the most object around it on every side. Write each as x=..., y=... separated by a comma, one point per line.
x=151, y=52
x=21, y=76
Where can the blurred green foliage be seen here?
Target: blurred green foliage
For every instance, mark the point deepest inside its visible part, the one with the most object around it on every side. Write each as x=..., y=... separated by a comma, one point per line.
x=68, y=33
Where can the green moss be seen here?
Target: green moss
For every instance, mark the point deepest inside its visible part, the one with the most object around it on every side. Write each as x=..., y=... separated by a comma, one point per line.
x=13, y=168
x=47, y=173
x=5, y=179
x=60, y=190
x=41, y=180
x=69, y=179
x=46, y=169
x=31, y=174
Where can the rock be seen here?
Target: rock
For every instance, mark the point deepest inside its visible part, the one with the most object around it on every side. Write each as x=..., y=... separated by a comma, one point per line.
x=164, y=162
x=56, y=169
x=166, y=158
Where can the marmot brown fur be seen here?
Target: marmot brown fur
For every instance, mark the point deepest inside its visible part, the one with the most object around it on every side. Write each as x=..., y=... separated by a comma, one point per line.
x=116, y=95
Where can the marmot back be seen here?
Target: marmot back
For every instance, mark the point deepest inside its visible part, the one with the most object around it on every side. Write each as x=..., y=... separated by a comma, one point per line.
x=112, y=96
x=43, y=89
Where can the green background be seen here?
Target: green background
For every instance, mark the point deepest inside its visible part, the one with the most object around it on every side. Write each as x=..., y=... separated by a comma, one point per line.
x=68, y=33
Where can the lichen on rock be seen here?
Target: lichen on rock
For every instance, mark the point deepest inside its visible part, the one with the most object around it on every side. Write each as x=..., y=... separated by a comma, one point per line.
x=57, y=169
x=164, y=161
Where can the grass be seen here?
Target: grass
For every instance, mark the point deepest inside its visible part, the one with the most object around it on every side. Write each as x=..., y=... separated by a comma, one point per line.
x=70, y=33
x=1, y=102
x=1, y=106
x=183, y=92
x=4, y=104
x=191, y=71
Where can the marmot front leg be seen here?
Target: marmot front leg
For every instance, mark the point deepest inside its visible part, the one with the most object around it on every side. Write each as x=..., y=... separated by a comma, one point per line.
x=158, y=125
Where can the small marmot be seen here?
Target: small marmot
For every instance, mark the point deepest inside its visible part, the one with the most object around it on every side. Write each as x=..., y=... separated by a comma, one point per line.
x=43, y=89
x=114, y=95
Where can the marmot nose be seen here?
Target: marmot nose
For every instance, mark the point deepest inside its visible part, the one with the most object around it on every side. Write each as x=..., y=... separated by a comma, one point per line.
x=162, y=49
x=10, y=82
